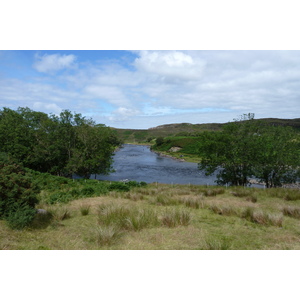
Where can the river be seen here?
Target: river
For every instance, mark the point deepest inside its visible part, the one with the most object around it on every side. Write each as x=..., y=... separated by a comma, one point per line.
x=139, y=163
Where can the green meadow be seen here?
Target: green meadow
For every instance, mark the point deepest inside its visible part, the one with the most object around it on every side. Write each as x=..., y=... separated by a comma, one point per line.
x=79, y=215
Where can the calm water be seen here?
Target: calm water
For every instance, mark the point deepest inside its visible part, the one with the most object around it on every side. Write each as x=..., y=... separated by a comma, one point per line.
x=135, y=162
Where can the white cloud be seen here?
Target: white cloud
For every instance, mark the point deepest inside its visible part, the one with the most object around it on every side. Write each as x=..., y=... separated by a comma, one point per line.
x=170, y=65
x=47, y=107
x=123, y=114
x=112, y=94
x=53, y=62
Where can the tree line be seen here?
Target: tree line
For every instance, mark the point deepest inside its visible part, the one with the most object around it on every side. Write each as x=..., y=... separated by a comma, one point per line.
x=61, y=144
x=247, y=148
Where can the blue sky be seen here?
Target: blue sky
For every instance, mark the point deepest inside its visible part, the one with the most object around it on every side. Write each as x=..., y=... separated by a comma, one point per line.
x=143, y=89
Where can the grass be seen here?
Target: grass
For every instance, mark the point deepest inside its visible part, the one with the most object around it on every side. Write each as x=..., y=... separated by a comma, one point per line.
x=85, y=209
x=160, y=216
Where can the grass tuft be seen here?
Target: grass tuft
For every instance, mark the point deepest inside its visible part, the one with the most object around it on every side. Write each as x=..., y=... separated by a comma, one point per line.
x=107, y=235
x=292, y=195
x=251, y=198
x=223, y=210
x=194, y=203
x=291, y=211
x=166, y=200
x=85, y=209
x=173, y=218
x=213, y=192
x=262, y=218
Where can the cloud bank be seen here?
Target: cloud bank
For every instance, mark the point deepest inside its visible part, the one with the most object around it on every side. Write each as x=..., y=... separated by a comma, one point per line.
x=143, y=89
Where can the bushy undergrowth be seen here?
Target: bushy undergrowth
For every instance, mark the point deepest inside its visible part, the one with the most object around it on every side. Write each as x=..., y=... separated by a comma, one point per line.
x=18, y=195
x=62, y=190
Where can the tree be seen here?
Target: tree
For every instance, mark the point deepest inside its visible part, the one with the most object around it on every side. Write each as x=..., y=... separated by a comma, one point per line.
x=248, y=148
x=278, y=158
x=231, y=151
x=15, y=136
x=61, y=145
x=93, y=151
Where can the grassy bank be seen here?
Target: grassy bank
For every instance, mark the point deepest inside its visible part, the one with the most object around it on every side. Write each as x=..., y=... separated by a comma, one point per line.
x=180, y=147
x=163, y=217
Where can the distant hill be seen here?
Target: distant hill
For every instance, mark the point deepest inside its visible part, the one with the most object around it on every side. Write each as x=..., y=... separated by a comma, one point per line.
x=186, y=129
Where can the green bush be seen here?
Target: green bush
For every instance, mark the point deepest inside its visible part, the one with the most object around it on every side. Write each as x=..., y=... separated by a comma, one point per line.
x=59, y=197
x=119, y=186
x=21, y=217
x=88, y=191
x=18, y=195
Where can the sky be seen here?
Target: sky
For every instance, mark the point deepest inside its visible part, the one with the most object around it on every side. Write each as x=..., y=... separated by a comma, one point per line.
x=144, y=89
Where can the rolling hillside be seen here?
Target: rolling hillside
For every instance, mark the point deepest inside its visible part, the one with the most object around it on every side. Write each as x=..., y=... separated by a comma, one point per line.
x=185, y=129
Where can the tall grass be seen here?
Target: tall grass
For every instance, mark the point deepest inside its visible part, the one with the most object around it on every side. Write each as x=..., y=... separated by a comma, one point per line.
x=223, y=210
x=212, y=192
x=194, y=202
x=107, y=235
x=211, y=243
x=85, y=209
x=291, y=211
x=261, y=217
x=127, y=218
x=165, y=200
x=175, y=217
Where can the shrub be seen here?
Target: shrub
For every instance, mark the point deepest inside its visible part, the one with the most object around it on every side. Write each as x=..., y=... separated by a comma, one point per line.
x=59, y=197
x=119, y=186
x=18, y=195
x=16, y=189
x=21, y=217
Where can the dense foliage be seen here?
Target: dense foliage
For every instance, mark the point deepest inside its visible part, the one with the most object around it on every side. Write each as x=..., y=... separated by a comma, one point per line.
x=61, y=145
x=248, y=148
x=18, y=194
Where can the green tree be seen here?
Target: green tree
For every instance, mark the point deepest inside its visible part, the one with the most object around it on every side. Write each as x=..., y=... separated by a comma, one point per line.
x=93, y=151
x=248, y=148
x=15, y=136
x=278, y=157
x=18, y=194
x=231, y=152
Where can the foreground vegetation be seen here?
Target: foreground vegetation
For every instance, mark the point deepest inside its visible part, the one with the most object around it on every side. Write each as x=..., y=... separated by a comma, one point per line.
x=103, y=215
